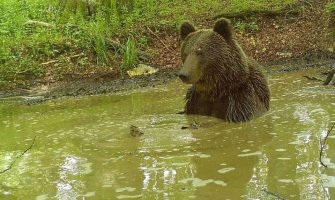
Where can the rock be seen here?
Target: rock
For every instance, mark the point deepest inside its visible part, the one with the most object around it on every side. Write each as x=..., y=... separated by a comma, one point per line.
x=284, y=54
x=33, y=100
x=141, y=69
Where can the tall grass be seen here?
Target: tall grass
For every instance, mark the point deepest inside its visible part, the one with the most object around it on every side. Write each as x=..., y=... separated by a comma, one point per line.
x=98, y=31
x=129, y=56
x=19, y=49
x=330, y=7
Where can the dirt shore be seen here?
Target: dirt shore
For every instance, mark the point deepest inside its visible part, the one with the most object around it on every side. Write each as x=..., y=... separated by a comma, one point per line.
x=42, y=93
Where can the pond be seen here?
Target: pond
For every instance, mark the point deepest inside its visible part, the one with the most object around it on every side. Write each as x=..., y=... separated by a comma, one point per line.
x=84, y=149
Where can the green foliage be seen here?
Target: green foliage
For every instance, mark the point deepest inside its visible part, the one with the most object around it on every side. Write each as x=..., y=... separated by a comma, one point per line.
x=26, y=68
x=21, y=47
x=246, y=27
x=97, y=31
x=129, y=56
x=330, y=7
x=70, y=30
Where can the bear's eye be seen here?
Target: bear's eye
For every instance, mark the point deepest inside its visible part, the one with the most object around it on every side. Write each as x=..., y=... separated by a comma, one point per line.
x=199, y=51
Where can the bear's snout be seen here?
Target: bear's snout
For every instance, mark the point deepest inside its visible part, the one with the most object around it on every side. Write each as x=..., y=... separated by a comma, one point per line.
x=183, y=76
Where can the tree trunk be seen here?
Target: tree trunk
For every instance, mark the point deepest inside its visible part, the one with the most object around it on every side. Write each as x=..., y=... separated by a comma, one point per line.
x=82, y=7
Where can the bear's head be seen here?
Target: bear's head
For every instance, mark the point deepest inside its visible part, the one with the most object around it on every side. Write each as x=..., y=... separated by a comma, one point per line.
x=210, y=55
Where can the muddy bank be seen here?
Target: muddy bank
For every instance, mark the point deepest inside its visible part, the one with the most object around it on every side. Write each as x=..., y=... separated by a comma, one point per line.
x=94, y=87
x=41, y=93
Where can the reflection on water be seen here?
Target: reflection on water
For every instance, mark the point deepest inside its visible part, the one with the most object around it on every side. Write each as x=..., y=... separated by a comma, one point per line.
x=84, y=149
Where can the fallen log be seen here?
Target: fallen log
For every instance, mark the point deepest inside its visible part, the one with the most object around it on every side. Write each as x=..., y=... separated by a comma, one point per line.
x=39, y=23
x=248, y=13
x=56, y=61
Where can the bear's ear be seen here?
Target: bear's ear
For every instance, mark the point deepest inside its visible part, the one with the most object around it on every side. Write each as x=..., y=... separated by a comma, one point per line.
x=223, y=27
x=185, y=29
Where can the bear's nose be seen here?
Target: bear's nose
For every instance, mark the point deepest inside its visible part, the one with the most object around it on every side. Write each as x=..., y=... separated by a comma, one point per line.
x=183, y=76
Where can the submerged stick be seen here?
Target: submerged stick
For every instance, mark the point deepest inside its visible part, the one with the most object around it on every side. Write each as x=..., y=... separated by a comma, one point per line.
x=329, y=77
x=323, y=145
x=273, y=194
x=19, y=156
x=312, y=78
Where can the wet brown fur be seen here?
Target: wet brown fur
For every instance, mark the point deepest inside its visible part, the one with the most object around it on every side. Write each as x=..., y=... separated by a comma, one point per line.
x=229, y=85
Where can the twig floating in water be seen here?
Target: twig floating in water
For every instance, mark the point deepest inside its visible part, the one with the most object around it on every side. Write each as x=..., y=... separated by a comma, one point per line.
x=19, y=156
x=312, y=78
x=273, y=194
x=323, y=145
x=329, y=77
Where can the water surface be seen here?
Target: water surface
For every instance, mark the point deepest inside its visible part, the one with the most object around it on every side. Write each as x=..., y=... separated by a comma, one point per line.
x=84, y=150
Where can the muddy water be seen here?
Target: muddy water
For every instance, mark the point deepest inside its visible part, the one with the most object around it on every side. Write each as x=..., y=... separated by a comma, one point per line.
x=84, y=150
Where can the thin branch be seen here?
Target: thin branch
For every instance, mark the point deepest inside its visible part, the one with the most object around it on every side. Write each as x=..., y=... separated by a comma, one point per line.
x=323, y=145
x=68, y=58
x=257, y=12
x=329, y=77
x=306, y=2
x=273, y=194
x=312, y=78
x=160, y=40
x=18, y=157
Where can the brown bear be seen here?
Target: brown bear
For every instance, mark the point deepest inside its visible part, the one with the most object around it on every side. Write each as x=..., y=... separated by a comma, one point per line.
x=225, y=83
